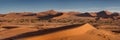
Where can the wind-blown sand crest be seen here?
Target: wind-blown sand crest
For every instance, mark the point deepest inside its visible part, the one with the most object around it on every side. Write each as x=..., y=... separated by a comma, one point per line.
x=64, y=33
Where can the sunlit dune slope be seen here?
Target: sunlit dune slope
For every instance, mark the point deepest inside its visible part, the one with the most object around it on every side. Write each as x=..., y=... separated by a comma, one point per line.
x=64, y=33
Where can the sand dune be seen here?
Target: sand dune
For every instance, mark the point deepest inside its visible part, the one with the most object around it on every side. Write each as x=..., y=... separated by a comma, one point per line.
x=53, y=13
x=21, y=22
x=85, y=32
x=65, y=33
x=14, y=32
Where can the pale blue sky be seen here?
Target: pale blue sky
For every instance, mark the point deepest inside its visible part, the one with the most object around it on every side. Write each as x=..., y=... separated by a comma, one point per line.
x=59, y=5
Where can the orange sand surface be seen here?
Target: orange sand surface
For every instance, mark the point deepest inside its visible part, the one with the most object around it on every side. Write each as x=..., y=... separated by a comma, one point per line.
x=14, y=32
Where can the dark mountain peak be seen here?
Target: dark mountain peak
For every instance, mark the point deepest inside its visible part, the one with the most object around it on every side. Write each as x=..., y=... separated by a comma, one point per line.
x=105, y=12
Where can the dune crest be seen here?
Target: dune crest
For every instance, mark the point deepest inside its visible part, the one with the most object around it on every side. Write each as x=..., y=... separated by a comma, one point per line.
x=64, y=33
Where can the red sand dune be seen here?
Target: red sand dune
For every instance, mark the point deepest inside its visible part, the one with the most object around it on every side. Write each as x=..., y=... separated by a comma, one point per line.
x=52, y=12
x=85, y=32
x=18, y=15
x=65, y=33
x=15, y=32
x=66, y=15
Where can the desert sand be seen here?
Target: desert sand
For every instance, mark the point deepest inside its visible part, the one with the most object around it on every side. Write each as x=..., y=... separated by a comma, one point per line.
x=79, y=33
x=14, y=32
x=53, y=25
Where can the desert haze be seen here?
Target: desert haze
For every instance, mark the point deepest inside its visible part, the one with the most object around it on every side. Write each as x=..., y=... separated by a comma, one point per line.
x=54, y=25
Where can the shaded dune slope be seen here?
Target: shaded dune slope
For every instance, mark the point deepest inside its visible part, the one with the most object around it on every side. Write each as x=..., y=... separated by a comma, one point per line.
x=64, y=33
x=70, y=32
x=84, y=32
x=16, y=31
x=43, y=32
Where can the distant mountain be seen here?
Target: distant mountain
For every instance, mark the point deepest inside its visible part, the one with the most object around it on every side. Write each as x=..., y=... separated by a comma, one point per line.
x=52, y=14
x=106, y=14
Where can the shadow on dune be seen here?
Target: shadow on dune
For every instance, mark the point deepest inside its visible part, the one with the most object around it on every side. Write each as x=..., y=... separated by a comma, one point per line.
x=84, y=15
x=103, y=14
x=33, y=14
x=49, y=16
x=43, y=32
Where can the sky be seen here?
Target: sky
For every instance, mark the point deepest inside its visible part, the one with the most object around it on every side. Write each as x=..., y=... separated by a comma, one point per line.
x=7, y=6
